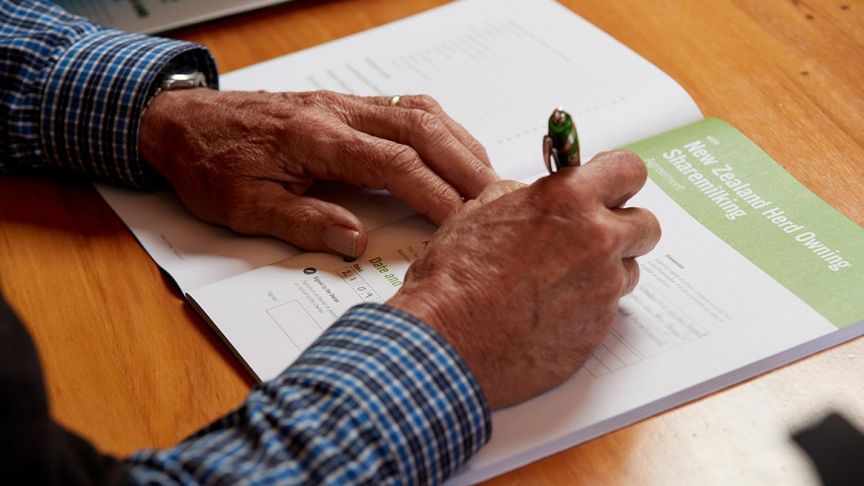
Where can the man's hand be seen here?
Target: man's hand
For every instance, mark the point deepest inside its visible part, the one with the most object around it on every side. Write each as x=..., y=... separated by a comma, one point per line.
x=524, y=282
x=244, y=160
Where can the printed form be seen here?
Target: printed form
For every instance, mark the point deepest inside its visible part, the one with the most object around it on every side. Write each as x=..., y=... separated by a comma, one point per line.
x=276, y=311
x=489, y=68
x=732, y=289
x=720, y=298
x=499, y=69
x=686, y=309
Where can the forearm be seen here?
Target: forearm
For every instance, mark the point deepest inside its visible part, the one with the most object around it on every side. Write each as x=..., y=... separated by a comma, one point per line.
x=379, y=398
x=73, y=93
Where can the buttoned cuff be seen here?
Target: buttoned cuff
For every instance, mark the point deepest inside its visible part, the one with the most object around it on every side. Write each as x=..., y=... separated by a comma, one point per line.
x=95, y=95
x=412, y=385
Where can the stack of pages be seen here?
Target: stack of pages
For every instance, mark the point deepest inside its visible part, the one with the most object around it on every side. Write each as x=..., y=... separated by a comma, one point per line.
x=753, y=270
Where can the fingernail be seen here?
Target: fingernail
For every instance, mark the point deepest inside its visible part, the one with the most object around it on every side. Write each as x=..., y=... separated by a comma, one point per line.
x=342, y=240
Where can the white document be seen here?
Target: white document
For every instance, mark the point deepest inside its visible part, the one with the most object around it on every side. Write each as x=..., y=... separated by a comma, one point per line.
x=704, y=315
x=148, y=16
x=689, y=327
x=195, y=253
x=494, y=68
x=499, y=68
x=278, y=310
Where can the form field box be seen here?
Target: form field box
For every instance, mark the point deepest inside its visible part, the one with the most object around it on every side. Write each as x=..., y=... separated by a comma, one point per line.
x=296, y=323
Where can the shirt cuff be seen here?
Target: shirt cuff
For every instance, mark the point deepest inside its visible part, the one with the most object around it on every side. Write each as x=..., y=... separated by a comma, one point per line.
x=417, y=390
x=94, y=98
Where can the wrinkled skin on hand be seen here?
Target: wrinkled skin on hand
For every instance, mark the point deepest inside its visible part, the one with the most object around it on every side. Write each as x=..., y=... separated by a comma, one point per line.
x=244, y=159
x=524, y=281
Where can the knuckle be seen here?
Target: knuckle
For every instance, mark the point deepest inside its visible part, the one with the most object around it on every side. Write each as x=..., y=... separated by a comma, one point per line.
x=322, y=131
x=635, y=273
x=615, y=277
x=476, y=147
x=426, y=102
x=498, y=189
x=320, y=97
x=433, y=130
x=427, y=122
x=238, y=218
x=631, y=164
x=402, y=159
x=647, y=227
x=560, y=195
x=617, y=283
x=299, y=217
x=441, y=199
x=580, y=196
x=623, y=167
x=656, y=231
x=605, y=238
x=328, y=96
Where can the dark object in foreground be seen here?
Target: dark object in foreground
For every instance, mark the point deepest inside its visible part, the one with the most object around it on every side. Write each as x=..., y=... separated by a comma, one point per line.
x=836, y=448
x=34, y=449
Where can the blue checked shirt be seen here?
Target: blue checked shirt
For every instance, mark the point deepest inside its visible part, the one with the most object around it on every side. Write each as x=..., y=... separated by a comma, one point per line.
x=380, y=398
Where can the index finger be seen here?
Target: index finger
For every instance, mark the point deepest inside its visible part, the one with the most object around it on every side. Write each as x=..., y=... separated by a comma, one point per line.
x=614, y=176
x=428, y=104
x=641, y=229
x=429, y=137
x=383, y=164
x=495, y=190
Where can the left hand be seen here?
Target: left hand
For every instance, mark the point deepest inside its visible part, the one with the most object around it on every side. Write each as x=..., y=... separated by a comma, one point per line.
x=245, y=159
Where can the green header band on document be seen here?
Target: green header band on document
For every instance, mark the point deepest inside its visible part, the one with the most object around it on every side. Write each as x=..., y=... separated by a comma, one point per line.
x=740, y=193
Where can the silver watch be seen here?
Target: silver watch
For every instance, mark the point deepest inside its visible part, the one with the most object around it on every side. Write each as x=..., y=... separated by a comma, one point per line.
x=183, y=80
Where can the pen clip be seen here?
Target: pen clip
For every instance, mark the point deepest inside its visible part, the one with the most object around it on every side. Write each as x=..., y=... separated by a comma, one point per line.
x=550, y=155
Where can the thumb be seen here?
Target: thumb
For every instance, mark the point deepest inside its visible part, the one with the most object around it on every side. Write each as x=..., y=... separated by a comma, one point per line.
x=307, y=222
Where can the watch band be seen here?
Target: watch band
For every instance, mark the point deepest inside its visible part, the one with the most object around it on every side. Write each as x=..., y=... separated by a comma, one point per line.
x=183, y=80
x=178, y=79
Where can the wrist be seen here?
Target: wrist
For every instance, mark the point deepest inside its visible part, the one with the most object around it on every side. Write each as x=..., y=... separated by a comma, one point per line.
x=177, y=78
x=156, y=117
x=420, y=302
x=448, y=316
x=161, y=124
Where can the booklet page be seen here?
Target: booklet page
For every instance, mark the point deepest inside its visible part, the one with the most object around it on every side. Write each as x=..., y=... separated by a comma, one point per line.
x=277, y=311
x=498, y=67
x=195, y=253
x=709, y=308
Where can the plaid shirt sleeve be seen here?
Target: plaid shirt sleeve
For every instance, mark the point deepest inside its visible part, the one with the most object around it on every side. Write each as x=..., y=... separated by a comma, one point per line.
x=379, y=399
x=72, y=93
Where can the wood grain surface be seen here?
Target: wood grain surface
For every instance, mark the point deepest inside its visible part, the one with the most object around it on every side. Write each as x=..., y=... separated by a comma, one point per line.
x=130, y=365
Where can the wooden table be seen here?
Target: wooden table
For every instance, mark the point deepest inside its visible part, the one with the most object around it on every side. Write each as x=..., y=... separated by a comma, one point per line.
x=130, y=365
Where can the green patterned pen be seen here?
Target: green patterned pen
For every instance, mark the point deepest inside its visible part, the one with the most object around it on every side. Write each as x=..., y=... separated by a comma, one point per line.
x=561, y=145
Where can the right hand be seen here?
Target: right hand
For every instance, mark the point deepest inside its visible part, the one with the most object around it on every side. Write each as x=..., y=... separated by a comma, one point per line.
x=524, y=281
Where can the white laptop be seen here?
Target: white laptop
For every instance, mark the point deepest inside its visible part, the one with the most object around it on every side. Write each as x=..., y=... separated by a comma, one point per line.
x=148, y=16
